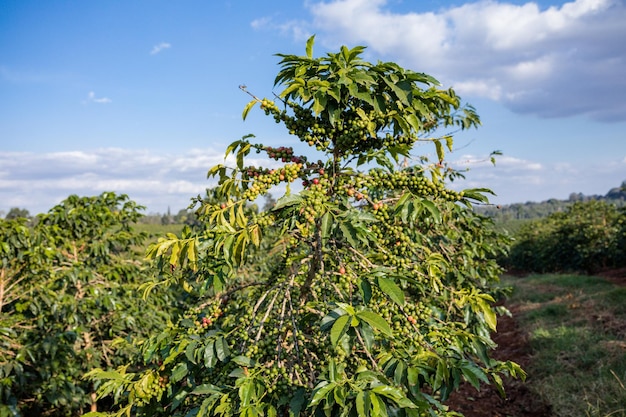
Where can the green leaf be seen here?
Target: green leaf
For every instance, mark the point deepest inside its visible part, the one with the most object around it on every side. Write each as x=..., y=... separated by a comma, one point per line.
x=379, y=408
x=326, y=226
x=192, y=253
x=473, y=374
x=477, y=194
x=234, y=145
x=296, y=402
x=332, y=370
x=440, y=151
x=248, y=107
x=246, y=392
x=319, y=103
x=243, y=361
x=389, y=287
x=210, y=360
x=365, y=288
x=294, y=86
x=178, y=399
x=309, y=47
x=238, y=373
x=488, y=313
x=497, y=381
x=400, y=373
x=288, y=200
x=179, y=372
x=363, y=404
x=401, y=91
x=367, y=333
x=245, y=150
x=190, y=351
x=206, y=389
x=349, y=232
x=320, y=391
x=414, y=122
x=340, y=327
x=111, y=375
x=222, y=350
x=376, y=321
x=434, y=211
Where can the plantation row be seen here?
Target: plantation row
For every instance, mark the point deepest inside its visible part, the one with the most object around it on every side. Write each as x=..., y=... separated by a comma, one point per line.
x=585, y=237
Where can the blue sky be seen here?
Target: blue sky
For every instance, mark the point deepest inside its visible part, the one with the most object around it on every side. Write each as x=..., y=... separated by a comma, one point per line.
x=142, y=97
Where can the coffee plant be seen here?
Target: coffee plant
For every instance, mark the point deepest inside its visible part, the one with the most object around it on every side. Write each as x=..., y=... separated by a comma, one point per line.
x=68, y=293
x=585, y=237
x=366, y=292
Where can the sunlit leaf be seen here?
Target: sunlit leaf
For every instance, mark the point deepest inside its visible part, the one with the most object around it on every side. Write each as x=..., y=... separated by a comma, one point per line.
x=340, y=327
x=389, y=287
x=376, y=321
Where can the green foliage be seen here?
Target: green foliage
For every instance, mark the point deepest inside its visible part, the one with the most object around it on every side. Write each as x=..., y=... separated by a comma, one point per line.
x=586, y=237
x=367, y=293
x=69, y=290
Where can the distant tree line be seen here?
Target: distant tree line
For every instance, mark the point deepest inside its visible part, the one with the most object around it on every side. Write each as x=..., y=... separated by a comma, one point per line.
x=510, y=213
x=585, y=233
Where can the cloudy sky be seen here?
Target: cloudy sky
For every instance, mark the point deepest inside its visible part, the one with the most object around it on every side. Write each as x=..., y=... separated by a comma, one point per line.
x=142, y=97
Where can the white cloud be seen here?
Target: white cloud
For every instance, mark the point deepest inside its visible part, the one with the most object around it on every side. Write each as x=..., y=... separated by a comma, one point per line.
x=514, y=180
x=91, y=98
x=504, y=162
x=261, y=23
x=293, y=28
x=160, y=47
x=554, y=62
x=38, y=181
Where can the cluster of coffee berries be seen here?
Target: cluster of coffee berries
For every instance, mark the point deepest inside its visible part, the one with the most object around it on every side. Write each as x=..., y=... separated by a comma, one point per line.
x=356, y=133
x=356, y=192
x=265, y=219
x=210, y=316
x=411, y=179
x=313, y=130
x=282, y=153
x=410, y=321
x=260, y=180
x=269, y=106
x=151, y=386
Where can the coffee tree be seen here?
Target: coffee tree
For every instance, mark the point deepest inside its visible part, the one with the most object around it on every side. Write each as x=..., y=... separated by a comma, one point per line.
x=366, y=292
x=585, y=237
x=70, y=290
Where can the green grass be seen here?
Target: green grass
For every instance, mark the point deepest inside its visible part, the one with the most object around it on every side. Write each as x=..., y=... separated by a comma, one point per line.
x=158, y=229
x=577, y=330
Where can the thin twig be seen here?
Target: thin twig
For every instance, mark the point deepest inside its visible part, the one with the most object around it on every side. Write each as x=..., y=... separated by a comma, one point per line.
x=265, y=316
x=367, y=352
x=279, y=342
